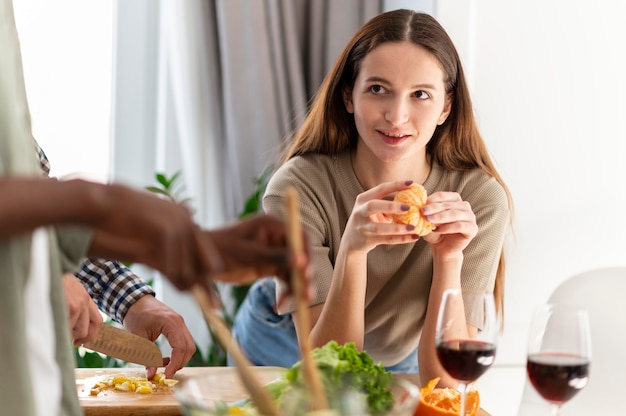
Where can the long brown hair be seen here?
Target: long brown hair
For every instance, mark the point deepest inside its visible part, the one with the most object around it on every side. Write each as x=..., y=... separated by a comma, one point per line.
x=455, y=145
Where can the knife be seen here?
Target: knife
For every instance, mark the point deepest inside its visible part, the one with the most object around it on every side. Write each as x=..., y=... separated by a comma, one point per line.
x=125, y=346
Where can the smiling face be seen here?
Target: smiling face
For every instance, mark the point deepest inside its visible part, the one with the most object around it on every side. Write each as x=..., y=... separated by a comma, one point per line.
x=398, y=100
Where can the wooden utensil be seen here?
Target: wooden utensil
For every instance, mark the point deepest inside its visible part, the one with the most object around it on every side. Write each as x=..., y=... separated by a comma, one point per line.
x=258, y=394
x=309, y=369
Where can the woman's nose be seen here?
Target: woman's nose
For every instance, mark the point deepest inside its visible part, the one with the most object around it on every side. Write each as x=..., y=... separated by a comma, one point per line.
x=397, y=112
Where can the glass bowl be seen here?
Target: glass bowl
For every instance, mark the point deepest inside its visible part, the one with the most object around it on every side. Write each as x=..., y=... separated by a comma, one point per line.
x=212, y=394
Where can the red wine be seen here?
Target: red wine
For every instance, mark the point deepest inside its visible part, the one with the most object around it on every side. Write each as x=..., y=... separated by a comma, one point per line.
x=557, y=377
x=466, y=360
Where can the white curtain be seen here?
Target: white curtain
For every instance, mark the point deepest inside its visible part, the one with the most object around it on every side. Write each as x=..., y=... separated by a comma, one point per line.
x=189, y=106
x=211, y=89
x=273, y=56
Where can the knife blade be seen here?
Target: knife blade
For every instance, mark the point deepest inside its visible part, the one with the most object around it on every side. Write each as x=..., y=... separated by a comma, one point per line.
x=121, y=344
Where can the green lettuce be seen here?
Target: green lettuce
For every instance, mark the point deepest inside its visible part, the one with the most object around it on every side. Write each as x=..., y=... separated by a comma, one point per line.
x=342, y=368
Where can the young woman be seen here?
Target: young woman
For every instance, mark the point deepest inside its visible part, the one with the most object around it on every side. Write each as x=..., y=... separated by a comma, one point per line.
x=394, y=109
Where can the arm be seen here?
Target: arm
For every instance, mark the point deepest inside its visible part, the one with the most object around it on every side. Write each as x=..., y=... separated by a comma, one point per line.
x=35, y=202
x=130, y=301
x=466, y=248
x=128, y=225
x=139, y=227
x=456, y=227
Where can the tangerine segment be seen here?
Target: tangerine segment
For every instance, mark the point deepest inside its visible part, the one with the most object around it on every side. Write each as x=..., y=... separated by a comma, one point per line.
x=415, y=197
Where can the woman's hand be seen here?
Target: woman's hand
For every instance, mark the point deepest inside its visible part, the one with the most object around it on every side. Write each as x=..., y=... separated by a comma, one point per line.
x=370, y=223
x=454, y=220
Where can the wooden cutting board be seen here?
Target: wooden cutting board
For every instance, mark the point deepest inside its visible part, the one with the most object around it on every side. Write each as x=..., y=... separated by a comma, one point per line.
x=161, y=402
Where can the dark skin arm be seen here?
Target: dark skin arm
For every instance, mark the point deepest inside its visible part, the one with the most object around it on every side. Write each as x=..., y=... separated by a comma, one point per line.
x=139, y=227
x=29, y=203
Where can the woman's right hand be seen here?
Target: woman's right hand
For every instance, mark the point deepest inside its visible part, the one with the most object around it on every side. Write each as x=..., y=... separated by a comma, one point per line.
x=370, y=223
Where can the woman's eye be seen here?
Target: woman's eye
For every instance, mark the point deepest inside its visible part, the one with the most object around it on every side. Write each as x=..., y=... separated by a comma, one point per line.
x=422, y=95
x=378, y=89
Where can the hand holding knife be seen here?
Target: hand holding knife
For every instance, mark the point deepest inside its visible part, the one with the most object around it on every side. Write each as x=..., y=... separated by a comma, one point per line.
x=125, y=346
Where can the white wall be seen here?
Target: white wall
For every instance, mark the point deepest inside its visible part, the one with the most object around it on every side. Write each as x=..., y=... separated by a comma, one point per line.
x=547, y=78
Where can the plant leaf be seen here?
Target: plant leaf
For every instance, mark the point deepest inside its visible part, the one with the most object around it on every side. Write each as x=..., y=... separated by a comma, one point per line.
x=174, y=177
x=93, y=360
x=156, y=190
x=162, y=179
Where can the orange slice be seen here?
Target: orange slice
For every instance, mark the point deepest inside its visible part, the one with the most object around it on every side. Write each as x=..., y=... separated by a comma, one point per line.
x=445, y=401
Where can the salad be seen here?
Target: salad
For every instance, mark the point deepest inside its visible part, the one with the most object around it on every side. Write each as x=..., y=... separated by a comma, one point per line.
x=353, y=383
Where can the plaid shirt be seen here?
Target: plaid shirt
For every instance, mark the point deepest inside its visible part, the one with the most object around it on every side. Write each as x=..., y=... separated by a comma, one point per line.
x=113, y=286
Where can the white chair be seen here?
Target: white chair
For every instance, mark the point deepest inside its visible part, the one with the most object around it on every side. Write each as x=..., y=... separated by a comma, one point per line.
x=603, y=293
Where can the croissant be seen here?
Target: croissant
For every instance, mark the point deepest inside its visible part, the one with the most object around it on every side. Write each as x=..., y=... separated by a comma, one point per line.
x=415, y=198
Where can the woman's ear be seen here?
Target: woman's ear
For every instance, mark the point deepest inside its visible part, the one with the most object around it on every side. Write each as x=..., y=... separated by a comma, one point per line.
x=446, y=110
x=347, y=99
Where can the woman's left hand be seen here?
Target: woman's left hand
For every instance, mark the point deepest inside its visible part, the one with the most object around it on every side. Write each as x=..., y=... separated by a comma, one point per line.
x=454, y=220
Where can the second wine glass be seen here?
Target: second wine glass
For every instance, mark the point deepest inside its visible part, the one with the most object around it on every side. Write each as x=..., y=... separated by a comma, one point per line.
x=467, y=335
x=559, y=352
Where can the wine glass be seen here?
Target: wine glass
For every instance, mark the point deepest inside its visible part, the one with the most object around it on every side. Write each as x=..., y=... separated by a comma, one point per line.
x=466, y=347
x=559, y=353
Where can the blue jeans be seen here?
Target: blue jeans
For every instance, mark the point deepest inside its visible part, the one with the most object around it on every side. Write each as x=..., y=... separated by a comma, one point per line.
x=269, y=339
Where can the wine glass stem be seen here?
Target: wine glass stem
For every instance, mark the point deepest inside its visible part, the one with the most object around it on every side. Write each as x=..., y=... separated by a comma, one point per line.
x=463, y=390
x=556, y=410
